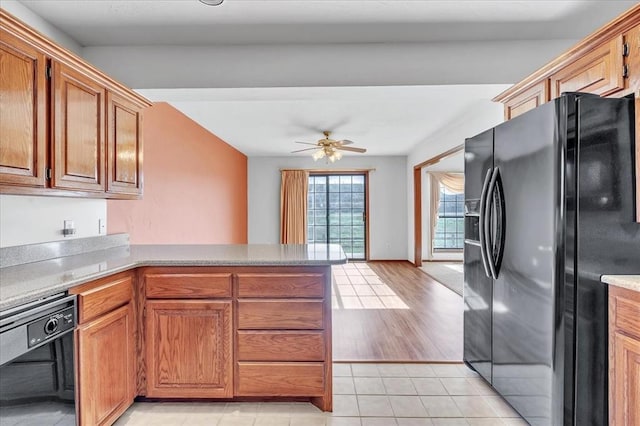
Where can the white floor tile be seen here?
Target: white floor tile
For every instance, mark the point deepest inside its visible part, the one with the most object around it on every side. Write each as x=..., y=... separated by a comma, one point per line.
x=341, y=370
x=440, y=406
x=365, y=370
x=429, y=386
x=392, y=370
x=345, y=406
x=474, y=406
x=369, y=386
x=374, y=406
x=399, y=386
x=343, y=386
x=414, y=422
x=379, y=421
x=407, y=406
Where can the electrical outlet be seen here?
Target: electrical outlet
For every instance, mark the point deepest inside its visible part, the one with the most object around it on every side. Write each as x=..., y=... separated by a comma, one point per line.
x=102, y=226
x=69, y=228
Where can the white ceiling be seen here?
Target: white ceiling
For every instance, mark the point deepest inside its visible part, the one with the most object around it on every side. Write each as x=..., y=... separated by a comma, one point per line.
x=188, y=22
x=385, y=120
x=276, y=37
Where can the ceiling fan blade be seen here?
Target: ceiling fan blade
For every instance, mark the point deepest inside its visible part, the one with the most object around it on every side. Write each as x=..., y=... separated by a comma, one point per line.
x=306, y=149
x=352, y=149
x=306, y=143
x=344, y=142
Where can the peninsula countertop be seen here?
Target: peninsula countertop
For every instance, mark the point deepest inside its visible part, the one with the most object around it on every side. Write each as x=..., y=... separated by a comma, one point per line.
x=631, y=282
x=26, y=282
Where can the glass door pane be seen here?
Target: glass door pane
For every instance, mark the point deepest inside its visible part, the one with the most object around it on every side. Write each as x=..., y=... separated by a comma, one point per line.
x=337, y=212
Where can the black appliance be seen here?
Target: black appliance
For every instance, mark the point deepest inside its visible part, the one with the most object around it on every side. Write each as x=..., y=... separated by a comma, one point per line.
x=36, y=363
x=549, y=208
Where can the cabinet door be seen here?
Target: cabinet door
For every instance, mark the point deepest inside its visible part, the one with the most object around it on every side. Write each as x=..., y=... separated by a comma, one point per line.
x=189, y=349
x=23, y=109
x=78, y=147
x=527, y=100
x=124, y=146
x=598, y=72
x=625, y=407
x=106, y=367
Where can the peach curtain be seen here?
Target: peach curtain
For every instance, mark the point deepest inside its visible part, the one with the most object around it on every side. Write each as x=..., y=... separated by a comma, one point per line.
x=293, y=206
x=453, y=182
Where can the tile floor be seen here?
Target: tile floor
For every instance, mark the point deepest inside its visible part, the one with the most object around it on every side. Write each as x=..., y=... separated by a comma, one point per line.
x=364, y=395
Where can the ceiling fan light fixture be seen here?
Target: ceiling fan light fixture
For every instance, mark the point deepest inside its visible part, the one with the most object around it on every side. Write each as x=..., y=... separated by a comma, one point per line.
x=335, y=155
x=318, y=154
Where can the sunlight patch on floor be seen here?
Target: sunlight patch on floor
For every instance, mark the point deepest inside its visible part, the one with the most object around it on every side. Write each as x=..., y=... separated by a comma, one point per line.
x=356, y=286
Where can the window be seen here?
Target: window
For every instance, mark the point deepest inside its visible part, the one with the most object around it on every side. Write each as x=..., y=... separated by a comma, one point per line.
x=449, y=233
x=336, y=212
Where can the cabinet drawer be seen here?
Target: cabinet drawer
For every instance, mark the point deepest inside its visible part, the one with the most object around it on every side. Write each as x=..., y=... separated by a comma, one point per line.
x=100, y=297
x=280, y=379
x=280, y=346
x=626, y=311
x=281, y=285
x=187, y=285
x=280, y=314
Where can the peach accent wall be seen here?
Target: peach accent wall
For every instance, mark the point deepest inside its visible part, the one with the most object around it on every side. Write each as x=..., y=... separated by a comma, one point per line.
x=195, y=186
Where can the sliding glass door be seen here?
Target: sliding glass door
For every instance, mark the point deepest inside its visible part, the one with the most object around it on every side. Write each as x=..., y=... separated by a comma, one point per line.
x=337, y=212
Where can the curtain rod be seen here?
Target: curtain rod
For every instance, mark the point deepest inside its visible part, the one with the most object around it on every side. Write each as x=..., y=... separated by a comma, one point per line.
x=330, y=170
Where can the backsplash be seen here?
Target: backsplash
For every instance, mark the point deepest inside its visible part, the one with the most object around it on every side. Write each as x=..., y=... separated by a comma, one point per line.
x=18, y=255
x=37, y=219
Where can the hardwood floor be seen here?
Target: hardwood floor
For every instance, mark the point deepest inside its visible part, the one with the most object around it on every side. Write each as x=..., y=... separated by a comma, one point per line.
x=423, y=322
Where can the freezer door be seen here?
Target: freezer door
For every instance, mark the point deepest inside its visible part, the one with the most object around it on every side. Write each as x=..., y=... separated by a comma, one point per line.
x=527, y=157
x=477, y=284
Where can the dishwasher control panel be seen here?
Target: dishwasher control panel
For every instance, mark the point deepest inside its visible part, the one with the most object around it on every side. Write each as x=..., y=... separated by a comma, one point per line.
x=50, y=325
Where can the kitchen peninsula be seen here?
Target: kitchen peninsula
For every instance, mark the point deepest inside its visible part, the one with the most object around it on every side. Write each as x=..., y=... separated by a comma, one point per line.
x=228, y=322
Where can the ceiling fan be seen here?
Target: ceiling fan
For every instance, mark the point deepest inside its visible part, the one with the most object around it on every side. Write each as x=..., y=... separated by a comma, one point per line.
x=330, y=148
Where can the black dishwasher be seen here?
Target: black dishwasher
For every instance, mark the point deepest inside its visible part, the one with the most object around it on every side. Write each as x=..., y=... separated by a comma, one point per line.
x=37, y=363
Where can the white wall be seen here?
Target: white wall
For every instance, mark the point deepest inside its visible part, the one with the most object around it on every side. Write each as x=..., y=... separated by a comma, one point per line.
x=27, y=219
x=483, y=115
x=387, y=199
x=41, y=25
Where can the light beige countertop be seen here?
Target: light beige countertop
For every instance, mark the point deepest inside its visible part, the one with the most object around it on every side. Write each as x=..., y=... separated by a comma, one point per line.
x=631, y=282
x=26, y=282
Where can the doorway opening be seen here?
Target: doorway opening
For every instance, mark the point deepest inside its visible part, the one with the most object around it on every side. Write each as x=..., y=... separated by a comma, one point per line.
x=337, y=212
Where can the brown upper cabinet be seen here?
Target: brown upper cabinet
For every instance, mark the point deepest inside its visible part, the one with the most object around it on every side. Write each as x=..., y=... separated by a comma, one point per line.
x=124, y=145
x=77, y=154
x=606, y=63
x=599, y=72
x=529, y=99
x=66, y=128
x=23, y=115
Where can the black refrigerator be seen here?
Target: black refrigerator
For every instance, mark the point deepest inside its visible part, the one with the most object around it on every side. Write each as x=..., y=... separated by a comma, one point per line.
x=549, y=208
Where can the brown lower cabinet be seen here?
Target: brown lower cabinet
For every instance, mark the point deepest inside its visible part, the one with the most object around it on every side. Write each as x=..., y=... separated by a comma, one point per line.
x=189, y=349
x=241, y=333
x=105, y=349
x=624, y=357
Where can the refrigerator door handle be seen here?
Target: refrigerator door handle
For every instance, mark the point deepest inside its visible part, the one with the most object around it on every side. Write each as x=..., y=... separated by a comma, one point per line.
x=496, y=242
x=486, y=224
x=481, y=230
